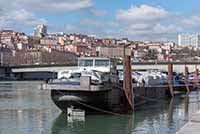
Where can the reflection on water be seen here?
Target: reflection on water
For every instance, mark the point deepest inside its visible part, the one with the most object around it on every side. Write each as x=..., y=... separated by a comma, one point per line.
x=165, y=117
x=25, y=109
x=93, y=124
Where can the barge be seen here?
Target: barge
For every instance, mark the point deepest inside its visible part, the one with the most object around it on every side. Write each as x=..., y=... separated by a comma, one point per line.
x=95, y=91
x=94, y=87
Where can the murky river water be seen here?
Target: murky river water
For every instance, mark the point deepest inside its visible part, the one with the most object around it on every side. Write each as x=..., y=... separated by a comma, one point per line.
x=25, y=109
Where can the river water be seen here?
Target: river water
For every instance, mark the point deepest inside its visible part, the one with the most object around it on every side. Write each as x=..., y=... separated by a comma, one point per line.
x=25, y=109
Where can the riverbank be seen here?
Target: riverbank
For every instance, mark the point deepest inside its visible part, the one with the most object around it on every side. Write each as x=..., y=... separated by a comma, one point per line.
x=21, y=81
x=193, y=126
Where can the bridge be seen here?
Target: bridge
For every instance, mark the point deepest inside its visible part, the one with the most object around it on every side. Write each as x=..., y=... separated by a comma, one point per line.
x=178, y=67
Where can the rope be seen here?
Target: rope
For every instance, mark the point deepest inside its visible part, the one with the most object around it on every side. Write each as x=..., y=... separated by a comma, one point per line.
x=194, y=101
x=98, y=109
x=165, y=83
x=179, y=85
x=147, y=98
x=141, y=103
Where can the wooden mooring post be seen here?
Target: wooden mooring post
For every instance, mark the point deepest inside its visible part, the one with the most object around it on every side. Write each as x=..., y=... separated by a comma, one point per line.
x=196, y=78
x=171, y=111
x=187, y=79
x=128, y=80
x=170, y=79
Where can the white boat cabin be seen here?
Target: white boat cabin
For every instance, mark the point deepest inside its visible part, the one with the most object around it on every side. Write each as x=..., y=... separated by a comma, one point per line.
x=98, y=68
x=95, y=63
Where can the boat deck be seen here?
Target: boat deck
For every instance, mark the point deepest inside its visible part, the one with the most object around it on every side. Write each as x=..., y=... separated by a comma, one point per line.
x=75, y=87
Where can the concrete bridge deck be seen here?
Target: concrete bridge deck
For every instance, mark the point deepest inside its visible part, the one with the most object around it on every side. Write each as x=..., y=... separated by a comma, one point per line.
x=178, y=67
x=193, y=126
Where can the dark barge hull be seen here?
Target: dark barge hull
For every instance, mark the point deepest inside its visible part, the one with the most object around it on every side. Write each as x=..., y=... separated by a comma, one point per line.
x=108, y=100
x=89, y=101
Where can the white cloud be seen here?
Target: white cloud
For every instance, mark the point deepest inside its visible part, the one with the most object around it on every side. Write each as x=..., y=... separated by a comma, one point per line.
x=55, y=5
x=19, y=19
x=136, y=22
x=146, y=22
x=28, y=18
x=191, y=21
x=142, y=13
x=140, y=26
x=92, y=22
x=98, y=13
x=151, y=30
x=23, y=13
x=22, y=17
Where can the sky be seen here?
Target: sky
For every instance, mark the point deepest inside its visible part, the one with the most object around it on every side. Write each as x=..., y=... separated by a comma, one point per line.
x=155, y=20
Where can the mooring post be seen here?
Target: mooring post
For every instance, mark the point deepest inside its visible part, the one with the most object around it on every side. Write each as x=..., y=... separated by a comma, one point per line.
x=186, y=78
x=171, y=110
x=186, y=101
x=196, y=78
x=128, y=80
x=170, y=79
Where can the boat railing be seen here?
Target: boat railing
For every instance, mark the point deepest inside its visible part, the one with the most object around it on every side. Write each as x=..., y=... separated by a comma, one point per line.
x=85, y=84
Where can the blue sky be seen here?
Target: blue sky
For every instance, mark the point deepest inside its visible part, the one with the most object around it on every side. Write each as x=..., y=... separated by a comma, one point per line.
x=133, y=19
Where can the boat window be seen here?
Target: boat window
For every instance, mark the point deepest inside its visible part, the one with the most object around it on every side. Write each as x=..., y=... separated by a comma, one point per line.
x=86, y=63
x=75, y=75
x=64, y=72
x=103, y=63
